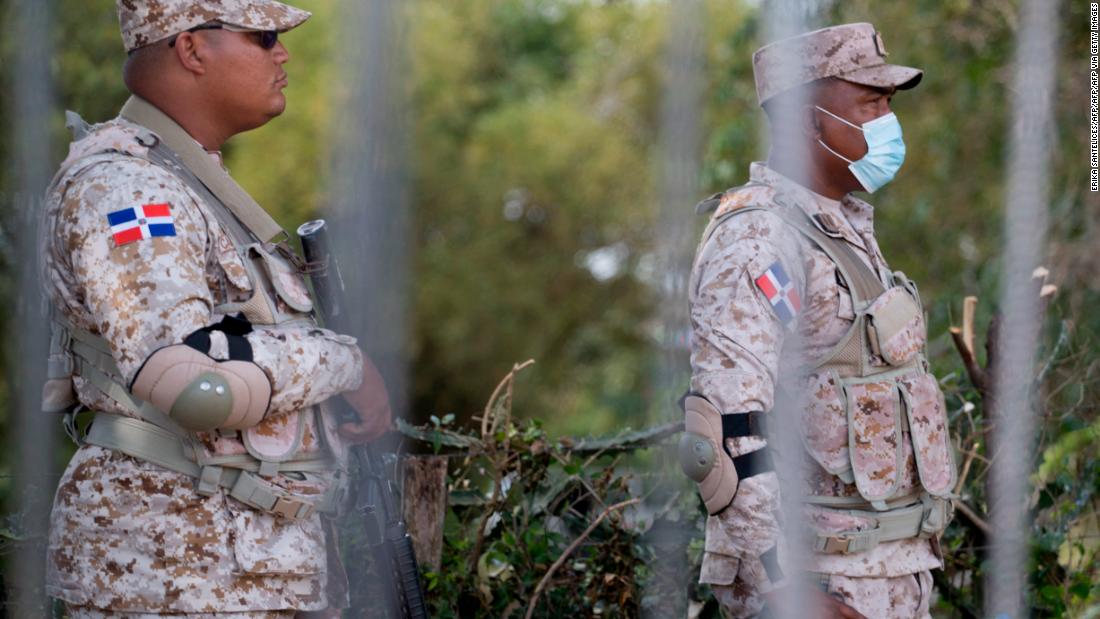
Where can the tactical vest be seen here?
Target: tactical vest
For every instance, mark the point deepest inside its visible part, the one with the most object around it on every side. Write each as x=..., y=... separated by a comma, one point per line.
x=875, y=383
x=279, y=300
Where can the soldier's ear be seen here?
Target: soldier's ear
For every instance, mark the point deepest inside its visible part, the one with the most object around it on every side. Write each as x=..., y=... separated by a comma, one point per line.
x=189, y=53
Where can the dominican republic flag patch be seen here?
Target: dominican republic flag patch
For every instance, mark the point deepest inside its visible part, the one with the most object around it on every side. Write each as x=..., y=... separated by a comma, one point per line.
x=141, y=222
x=779, y=289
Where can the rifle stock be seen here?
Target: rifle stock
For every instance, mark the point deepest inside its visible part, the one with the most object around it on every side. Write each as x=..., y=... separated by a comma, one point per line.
x=376, y=501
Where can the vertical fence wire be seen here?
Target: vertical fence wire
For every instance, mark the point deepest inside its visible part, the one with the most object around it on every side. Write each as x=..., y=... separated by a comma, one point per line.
x=782, y=19
x=33, y=432
x=370, y=199
x=369, y=215
x=1025, y=227
x=679, y=163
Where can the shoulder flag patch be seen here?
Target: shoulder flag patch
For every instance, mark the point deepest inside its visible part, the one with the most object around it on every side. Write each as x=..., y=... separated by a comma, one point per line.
x=141, y=222
x=780, y=292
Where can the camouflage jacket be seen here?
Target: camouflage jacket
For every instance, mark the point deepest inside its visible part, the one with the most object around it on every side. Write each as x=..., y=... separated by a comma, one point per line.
x=126, y=535
x=737, y=343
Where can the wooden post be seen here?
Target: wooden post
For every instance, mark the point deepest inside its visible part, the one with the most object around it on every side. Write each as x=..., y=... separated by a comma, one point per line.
x=424, y=504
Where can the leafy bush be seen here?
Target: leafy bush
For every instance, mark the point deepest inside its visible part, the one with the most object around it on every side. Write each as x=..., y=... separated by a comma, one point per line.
x=542, y=528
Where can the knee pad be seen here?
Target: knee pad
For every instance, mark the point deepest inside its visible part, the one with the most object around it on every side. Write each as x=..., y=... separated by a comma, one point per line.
x=703, y=455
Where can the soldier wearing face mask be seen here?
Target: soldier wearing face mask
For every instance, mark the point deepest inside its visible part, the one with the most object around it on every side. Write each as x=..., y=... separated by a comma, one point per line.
x=792, y=257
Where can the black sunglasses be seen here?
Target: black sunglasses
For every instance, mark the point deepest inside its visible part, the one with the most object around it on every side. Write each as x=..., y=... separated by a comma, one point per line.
x=265, y=38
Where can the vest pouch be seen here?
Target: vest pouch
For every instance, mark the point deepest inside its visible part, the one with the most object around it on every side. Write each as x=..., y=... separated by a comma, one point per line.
x=895, y=329
x=289, y=285
x=280, y=293
x=927, y=416
x=277, y=437
x=233, y=267
x=253, y=532
x=825, y=425
x=875, y=438
x=900, y=279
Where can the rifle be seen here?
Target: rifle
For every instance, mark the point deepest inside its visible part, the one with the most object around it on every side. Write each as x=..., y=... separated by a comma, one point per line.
x=376, y=499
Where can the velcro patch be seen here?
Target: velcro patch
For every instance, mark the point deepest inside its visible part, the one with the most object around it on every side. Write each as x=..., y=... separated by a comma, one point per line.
x=141, y=222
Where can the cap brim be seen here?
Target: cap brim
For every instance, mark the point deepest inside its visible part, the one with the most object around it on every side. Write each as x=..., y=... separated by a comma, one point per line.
x=885, y=76
x=270, y=15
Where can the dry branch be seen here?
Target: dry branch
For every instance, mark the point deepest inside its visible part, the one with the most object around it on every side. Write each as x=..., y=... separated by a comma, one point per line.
x=972, y=515
x=964, y=342
x=568, y=551
x=489, y=424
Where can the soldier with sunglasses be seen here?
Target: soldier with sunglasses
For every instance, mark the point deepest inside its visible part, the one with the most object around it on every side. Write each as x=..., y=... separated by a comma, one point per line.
x=208, y=480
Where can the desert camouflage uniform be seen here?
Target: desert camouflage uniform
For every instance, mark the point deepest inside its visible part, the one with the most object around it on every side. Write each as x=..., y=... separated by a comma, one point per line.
x=125, y=534
x=128, y=538
x=737, y=341
x=145, y=22
x=94, y=613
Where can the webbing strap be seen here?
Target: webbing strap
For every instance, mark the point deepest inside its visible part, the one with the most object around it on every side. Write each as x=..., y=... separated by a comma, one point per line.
x=859, y=503
x=251, y=214
x=753, y=463
x=863, y=284
x=923, y=519
x=158, y=446
x=163, y=156
x=735, y=425
x=98, y=367
x=143, y=441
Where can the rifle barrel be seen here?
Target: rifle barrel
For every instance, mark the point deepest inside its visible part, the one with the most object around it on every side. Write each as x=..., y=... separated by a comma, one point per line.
x=387, y=533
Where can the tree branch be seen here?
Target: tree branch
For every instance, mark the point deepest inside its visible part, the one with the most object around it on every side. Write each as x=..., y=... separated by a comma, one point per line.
x=568, y=551
x=973, y=517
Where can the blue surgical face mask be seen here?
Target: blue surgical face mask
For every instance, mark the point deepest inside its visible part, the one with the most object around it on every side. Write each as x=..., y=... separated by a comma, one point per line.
x=885, y=150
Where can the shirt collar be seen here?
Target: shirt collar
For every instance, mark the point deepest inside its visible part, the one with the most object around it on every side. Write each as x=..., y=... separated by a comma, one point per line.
x=849, y=218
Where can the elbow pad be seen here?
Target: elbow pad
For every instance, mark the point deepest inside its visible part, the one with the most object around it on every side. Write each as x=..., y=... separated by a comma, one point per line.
x=201, y=393
x=706, y=459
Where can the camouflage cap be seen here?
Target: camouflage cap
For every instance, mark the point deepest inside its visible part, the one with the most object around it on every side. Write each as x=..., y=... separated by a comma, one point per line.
x=144, y=22
x=851, y=52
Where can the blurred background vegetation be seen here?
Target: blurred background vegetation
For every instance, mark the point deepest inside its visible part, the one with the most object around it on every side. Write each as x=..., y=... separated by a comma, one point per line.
x=534, y=150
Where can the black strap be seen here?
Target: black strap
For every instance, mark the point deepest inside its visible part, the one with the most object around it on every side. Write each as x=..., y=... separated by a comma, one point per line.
x=770, y=559
x=234, y=328
x=754, y=463
x=239, y=348
x=199, y=340
x=233, y=325
x=735, y=425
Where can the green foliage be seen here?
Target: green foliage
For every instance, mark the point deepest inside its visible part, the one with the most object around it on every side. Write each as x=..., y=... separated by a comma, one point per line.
x=533, y=148
x=564, y=527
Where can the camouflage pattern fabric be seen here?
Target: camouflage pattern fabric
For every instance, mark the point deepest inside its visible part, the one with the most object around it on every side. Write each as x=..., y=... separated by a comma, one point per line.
x=902, y=345
x=737, y=344
x=125, y=535
x=852, y=52
x=902, y=597
x=80, y=612
x=144, y=22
